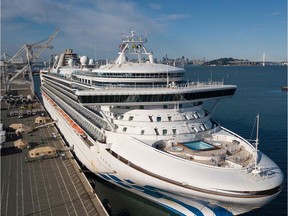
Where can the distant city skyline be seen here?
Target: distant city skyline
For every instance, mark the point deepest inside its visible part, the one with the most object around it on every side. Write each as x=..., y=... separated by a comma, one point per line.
x=241, y=29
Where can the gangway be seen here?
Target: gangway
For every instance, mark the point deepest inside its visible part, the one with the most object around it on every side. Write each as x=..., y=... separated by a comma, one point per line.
x=65, y=149
x=44, y=125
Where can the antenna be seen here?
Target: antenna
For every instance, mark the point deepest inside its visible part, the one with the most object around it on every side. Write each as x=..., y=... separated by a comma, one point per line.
x=257, y=139
x=167, y=75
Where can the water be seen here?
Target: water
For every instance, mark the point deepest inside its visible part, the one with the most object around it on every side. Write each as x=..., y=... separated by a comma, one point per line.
x=258, y=91
x=198, y=145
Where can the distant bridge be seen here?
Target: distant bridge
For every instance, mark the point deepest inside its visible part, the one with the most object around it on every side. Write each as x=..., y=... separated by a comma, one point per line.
x=263, y=60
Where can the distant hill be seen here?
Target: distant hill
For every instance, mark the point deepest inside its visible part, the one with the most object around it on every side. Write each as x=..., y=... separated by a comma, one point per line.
x=223, y=61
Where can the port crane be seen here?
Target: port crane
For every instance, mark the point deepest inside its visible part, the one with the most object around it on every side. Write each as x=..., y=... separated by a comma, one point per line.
x=32, y=53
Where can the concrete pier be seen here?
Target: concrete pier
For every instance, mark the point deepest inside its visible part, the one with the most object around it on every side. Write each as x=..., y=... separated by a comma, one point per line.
x=42, y=186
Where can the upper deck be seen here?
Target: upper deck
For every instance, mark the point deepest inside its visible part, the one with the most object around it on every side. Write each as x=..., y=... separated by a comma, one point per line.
x=171, y=94
x=141, y=82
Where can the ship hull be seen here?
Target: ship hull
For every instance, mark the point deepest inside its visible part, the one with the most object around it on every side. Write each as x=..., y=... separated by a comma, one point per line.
x=176, y=198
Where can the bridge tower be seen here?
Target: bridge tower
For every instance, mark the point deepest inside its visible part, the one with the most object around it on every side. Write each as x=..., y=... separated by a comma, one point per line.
x=263, y=59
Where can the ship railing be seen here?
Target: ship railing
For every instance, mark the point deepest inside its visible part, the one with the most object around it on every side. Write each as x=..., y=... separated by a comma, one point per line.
x=241, y=139
x=127, y=75
x=258, y=173
x=52, y=83
x=89, y=127
x=157, y=86
x=97, y=120
x=206, y=135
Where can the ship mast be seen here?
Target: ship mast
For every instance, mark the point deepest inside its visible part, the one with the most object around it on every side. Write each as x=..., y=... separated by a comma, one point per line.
x=133, y=45
x=256, y=140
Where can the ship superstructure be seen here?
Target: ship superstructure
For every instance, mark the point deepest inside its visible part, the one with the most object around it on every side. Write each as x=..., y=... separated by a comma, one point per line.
x=139, y=125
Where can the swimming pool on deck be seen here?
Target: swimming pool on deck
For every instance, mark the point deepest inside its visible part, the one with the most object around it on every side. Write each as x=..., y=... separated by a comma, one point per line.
x=198, y=145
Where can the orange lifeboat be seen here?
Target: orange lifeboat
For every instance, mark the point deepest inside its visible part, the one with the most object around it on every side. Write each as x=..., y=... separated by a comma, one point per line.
x=80, y=131
x=71, y=122
x=77, y=128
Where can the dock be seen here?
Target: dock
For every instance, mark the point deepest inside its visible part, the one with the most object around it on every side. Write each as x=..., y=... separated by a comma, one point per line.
x=44, y=185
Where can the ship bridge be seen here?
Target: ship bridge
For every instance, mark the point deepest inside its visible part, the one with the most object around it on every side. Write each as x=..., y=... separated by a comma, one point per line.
x=191, y=92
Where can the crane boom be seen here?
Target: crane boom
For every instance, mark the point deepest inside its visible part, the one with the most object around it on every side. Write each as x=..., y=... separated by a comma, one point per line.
x=46, y=44
x=30, y=57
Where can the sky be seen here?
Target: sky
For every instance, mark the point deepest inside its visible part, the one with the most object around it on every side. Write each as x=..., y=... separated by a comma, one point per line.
x=195, y=29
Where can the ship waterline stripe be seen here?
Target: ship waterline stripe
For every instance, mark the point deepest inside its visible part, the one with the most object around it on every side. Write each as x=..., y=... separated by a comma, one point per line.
x=150, y=191
x=240, y=194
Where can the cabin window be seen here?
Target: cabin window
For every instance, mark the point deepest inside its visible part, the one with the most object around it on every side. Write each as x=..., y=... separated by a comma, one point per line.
x=114, y=154
x=142, y=132
x=174, y=131
x=201, y=113
x=202, y=127
x=165, y=106
x=131, y=118
x=164, y=131
x=158, y=118
x=124, y=129
x=194, y=129
x=122, y=159
x=208, y=125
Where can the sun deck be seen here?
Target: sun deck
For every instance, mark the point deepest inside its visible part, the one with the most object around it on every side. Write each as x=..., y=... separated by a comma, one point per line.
x=211, y=152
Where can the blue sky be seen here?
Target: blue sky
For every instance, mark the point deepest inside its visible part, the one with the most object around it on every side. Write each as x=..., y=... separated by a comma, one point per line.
x=212, y=29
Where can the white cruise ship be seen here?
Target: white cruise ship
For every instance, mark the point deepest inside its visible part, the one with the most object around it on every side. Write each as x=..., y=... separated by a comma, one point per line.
x=140, y=126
